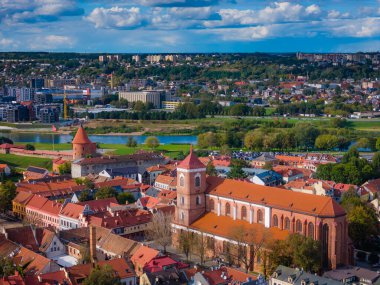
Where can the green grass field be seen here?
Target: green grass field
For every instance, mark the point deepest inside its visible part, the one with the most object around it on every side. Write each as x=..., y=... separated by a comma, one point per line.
x=19, y=161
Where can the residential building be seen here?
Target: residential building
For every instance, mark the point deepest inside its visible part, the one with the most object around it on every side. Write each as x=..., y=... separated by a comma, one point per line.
x=171, y=105
x=263, y=160
x=289, y=276
x=353, y=275
x=19, y=204
x=166, y=182
x=49, y=114
x=141, y=257
x=41, y=211
x=152, y=96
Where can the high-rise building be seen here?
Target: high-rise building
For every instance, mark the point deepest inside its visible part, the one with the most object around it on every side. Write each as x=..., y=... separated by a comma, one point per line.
x=37, y=83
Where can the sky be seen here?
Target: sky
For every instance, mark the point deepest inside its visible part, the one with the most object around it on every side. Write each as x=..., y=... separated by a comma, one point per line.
x=190, y=26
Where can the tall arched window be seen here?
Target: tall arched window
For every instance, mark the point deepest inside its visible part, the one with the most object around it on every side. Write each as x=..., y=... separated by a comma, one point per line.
x=197, y=181
x=212, y=205
x=299, y=226
x=310, y=230
x=287, y=224
x=182, y=200
x=243, y=213
x=198, y=200
x=182, y=216
x=181, y=181
x=275, y=221
x=259, y=216
x=228, y=209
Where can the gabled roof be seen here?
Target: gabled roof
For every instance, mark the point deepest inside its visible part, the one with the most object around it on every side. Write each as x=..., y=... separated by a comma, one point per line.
x=99, y=206
x=143, y=255
x=322, y=206
x=36, y=262
x=81, y=137
x=23, y=236
x=36, y=169
x=149, y=202
x=191, y=161
x=72, y=210
x=23, y=198
x=7, y=247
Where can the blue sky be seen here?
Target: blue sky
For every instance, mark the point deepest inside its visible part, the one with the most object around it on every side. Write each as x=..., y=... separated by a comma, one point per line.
x=152, y=26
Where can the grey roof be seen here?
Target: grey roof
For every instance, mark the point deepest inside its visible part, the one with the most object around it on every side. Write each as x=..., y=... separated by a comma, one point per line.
x=123, y=170
x=348, y=272
x=283, y=273
x=265, y=157
x=37, y=169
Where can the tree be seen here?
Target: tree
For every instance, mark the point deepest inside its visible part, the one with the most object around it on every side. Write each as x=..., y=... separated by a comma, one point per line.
x=254, y=140
x=376, y=163
x=249, y=244
x=7, y=194
x=236, y=171
x=210, y=169
x=186, y=243
x=363, y=143
x=268, y=165
x=378, y=143
x=104, y=275
x=125, y=197
x=152, y=142
x=160, y=229
x=200, y=246
x=131, y=142
x=351, y=153
x=7, y=267
x=84, y=196
x=65, y=168
x=29, y=147
x=105, y=192
x=326, y=142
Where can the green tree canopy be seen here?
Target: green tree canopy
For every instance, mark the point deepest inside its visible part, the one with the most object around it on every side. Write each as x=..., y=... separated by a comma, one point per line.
x=102, y=276
x=105, y=192
x=124, y=197
x=152, y=142
x=7, y=194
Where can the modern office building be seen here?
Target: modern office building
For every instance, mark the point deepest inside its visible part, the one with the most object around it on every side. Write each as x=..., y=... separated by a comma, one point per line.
x=143, y=96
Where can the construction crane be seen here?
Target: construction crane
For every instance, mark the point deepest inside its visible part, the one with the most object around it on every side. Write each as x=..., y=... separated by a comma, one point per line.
x=65, y=115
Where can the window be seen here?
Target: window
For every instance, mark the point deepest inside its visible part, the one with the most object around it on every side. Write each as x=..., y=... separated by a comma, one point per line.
x=182, y=200
x=275, y=221
x=198, y=200
x=197, y=181
x=287, y=224
x=259, y=216
x=182, y=216
x=243, y=213
x=310, y=230
x=228, y=209
x=182, y=181
x=299, y=226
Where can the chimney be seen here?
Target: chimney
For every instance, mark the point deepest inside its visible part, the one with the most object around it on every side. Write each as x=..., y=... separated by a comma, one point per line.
x=93, y=244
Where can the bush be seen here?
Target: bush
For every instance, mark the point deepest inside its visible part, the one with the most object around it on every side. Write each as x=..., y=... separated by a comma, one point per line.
x=29, y=147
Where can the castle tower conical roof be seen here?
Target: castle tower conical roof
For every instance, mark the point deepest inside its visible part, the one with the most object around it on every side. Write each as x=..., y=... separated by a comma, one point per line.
x=191, y=161
x=81, y=137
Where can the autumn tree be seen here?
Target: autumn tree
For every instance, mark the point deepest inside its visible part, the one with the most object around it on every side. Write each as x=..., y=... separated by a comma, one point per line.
x=200, y=246
x=65, y=168
x=250, y=243
x=152, y=142
x=186, y=243
x=160, y=229
x=210, y=169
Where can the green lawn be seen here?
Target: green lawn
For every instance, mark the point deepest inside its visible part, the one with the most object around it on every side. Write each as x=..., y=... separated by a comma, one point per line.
x=25, y=161
x=367, y=125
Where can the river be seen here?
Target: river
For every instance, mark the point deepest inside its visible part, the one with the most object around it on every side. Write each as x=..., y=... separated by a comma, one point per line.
x=106, y=139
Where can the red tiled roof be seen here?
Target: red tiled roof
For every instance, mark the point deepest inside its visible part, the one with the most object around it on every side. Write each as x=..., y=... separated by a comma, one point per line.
x=224, y=226
x=149, y=201
x=98, y=206
x=191, y=161
x=36, y=262
x=167, y=194
x=143, y=255
x=158, y=263
x=23, y=198
x=166, y=179
x=23, y=236
x=274, y=197
x=13, y=280
x=50, y=278
x=81, y=137
x=72, y=210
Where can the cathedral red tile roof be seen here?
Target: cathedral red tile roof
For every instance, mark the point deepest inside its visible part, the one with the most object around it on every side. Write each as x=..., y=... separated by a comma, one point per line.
x=226, y=227
x=191, y=161
x=81, y=137
x=274, y=197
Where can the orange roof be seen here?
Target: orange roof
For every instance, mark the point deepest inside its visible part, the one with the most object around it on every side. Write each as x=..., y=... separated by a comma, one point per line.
x=274, y=197
x=36, y=262
x=167, y=194
x=149, y=201
x=81, y=137
x=290, y=158
x=191, y=161
x=166, y=179
x=143, y=255
x=72, y=210
x=23, y=198
x=224, y=226
x=100, y=205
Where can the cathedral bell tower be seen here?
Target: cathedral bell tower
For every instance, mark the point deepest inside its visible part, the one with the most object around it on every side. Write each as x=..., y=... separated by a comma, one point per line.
x=191, y=186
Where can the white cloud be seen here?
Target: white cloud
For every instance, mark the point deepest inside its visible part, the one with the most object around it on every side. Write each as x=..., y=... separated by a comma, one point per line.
x=116, y=17
x=358, y=28
x=53, y=42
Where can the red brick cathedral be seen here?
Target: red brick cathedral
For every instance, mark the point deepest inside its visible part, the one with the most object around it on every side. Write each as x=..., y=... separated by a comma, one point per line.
x=215, y=206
